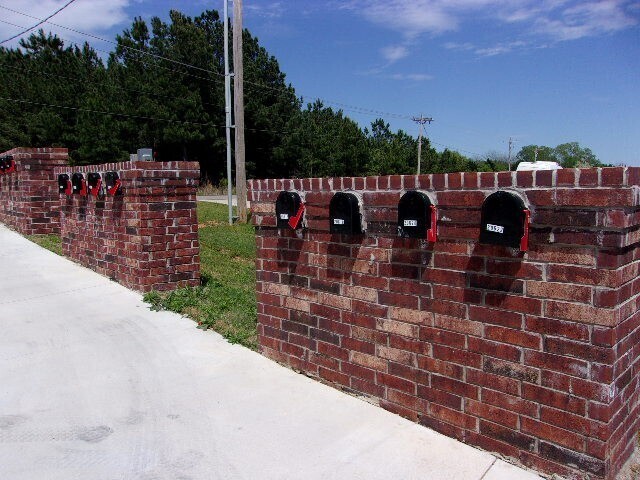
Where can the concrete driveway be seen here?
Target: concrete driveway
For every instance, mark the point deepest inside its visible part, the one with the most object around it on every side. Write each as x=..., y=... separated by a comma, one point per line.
x=94, y=386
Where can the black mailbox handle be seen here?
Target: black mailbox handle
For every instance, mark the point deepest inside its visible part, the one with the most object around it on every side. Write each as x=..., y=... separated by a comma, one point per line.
x=524, y=241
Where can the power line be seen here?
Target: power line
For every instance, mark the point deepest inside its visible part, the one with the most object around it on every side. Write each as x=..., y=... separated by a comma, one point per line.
x=116, y=114
x=282, y=91
x=421, y=121
x=124, y=89
x=353, y=108
x=39, y=23
x=96, y=37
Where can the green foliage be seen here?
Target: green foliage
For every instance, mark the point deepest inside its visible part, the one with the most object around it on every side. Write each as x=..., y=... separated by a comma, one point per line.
x=321, y=142
x=51, y=242
x=226, y=301
x=568, y=155
x=148, y=95
x=390, y=153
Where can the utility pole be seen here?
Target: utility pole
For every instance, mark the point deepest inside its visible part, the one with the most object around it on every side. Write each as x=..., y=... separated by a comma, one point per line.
x=238, y=104
x=227, y=108
x=510, y=145
x=421, y=122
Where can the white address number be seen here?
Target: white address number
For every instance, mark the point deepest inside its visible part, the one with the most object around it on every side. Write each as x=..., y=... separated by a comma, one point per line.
x=410, y=223
x=284, y=216
x=338, y=221
x=495, y=228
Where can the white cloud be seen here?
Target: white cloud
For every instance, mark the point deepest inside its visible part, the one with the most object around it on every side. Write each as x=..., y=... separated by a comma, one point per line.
x=271, y=10
x=414, y=77
x=394, y=53
x=543, y=20
x=587, y=20
x=95, y=17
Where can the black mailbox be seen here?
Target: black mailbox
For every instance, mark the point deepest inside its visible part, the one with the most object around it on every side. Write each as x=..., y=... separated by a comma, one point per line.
x=345, y=214
x=78, y=184
x=417, y=216
x=505, y=221
x=64, y=184
x=7, y=165
x=289, y=210
x=112, y=182
x=94, y=184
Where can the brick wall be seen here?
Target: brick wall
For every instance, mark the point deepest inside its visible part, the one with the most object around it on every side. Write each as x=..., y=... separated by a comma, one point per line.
x=29, y=196
x=146, y=238
x=532, y=355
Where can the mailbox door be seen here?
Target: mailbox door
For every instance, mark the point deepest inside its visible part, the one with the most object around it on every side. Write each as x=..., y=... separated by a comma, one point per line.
x=64, y=184
x=9, y=164
x=78, y=184
x=112, y=182
x=504, y=220
x=94, y=181
x=344, y=214
x=415, y=215
x=289, y=210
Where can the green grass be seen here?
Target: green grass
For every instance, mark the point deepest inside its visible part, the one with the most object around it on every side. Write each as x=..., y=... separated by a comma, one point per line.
x=226, y=301
x=50, y=242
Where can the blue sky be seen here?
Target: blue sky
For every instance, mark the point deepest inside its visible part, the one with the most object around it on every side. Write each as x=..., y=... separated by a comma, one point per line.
x=540, y=71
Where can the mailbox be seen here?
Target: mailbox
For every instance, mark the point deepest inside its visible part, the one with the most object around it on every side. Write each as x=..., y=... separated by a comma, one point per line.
x=78, y=184
x=417, y=216
x=64, y=184
x=289, y=210
x=113, y=183
x=505, y=221
x=7, y=165
x=345, y=215
x=94, y=184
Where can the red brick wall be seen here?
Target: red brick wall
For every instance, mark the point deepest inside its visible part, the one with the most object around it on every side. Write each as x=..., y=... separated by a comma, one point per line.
x=532, y=355
x=29, y=196
x=147, y=237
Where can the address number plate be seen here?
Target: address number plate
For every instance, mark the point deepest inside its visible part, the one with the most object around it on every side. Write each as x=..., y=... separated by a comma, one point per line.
x=284, y=216
x=495, y=228
x=410, y=223
x=338, y=221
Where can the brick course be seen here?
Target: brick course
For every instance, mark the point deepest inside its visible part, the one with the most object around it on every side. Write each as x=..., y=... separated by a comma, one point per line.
x=29, y=196
x=532, y=355
x=147, y=237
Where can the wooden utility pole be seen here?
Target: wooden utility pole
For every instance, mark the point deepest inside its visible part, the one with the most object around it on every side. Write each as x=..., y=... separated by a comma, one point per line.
x=238, y=104
x=510, y=147
x=227, y=109
x=421, y=121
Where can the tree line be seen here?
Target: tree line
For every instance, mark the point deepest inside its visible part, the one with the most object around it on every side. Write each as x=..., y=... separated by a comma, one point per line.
x=147, y=93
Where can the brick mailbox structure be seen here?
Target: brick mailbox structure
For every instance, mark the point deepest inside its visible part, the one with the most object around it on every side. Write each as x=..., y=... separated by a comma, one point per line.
x=531, y=354
x=145, y=236
x=29, y=200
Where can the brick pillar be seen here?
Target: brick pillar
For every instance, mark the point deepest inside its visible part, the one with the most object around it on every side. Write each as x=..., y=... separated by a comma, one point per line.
x=147, y=237
x=534, y=355
x=29, y=196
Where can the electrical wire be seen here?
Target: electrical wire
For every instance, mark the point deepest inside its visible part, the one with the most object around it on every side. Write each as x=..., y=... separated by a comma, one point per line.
x=39, y=23
x=343, y=106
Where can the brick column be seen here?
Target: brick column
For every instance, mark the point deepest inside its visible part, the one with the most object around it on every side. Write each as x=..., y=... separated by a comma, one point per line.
x=534, y=355
x=29, y=196
x=145, y=238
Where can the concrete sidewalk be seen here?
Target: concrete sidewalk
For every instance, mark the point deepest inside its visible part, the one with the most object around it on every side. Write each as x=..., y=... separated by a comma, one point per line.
x=94, y=386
